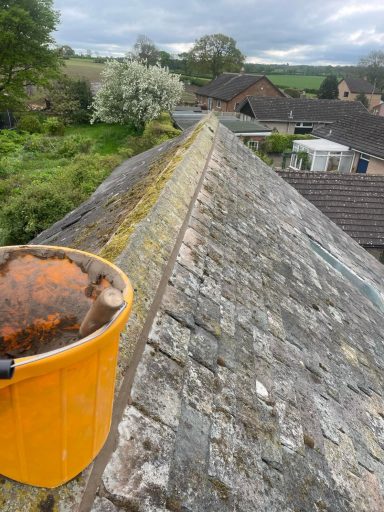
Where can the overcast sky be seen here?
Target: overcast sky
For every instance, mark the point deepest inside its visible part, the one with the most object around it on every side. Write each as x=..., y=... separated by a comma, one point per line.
x=270, y=31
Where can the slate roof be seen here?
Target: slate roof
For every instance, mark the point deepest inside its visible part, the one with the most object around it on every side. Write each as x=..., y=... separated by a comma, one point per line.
x=358, y=85
x=186, y=119
x=362, y=132
x=228, y=85
x=354, y=202
x=260, y=387
x=301, y=109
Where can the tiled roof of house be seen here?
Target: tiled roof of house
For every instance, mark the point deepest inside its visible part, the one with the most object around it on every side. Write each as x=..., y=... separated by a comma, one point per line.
x=259, y=380
x=363, y=132
x=228, y=85
x=358, y=85
x=301, y=109
x=354, y=202
x=186, y=119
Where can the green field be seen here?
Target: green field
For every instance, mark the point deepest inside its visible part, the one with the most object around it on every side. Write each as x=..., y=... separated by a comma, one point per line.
x=297, y=81
x=83, y=68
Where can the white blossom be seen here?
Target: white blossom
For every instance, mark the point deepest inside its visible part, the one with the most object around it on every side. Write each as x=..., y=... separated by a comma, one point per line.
x=132, y=92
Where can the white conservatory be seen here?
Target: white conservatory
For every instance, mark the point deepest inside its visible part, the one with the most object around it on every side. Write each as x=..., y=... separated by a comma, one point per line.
x=323, y=156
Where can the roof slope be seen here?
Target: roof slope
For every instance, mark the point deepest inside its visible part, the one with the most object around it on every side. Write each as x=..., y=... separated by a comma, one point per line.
x=228, y=85
x=358, y=85
x=261, y=385
x=354, y=202
x=301, y=109
x=362, y=132
x=186, y=119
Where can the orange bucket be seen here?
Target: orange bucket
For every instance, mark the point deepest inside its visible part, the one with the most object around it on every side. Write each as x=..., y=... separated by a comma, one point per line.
x=56, y=390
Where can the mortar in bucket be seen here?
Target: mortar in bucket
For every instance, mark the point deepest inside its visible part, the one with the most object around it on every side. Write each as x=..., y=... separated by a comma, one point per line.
x=56, y=386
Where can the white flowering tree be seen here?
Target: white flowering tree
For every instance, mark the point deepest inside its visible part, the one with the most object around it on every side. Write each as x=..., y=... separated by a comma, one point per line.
x=133, y=93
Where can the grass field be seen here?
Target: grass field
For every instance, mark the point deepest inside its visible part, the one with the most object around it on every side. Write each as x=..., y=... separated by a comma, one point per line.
x=297, y=81
x=83, y=68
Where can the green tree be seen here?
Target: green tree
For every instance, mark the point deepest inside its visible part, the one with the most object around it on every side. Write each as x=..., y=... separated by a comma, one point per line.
x=372, y=68
x=165, y=59
x=216, y=53
x=66, y=52
x=363, y=98
x=27, y=55
x=145, y=51
x=328, y=89
x=70, y=99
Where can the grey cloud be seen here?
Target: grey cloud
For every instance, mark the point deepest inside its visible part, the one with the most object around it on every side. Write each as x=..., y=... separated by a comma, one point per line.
x=301, y=31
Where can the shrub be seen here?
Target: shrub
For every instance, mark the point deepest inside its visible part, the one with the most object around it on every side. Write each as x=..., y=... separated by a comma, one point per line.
x=280, y=142
x=30, y=123
x=292, y=92
x=264, y=157
x=34, y=208
x=72, y=145
x=53, y=126
x=10, y=141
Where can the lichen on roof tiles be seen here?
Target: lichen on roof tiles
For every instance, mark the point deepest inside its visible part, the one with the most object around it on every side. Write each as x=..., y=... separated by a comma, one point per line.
x=260, y=385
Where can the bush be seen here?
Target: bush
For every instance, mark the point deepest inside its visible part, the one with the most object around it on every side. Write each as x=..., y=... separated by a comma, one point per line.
x=53, y=126
x=280, y=142
x=10, y=141
x=36, y=206
x=72, y=145
x=30, y=124
x=264, y=157
x=292, y=92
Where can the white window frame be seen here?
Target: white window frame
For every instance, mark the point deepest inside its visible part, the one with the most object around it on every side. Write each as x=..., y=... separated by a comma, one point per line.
x=218, y=103
x=236, y=105
x=253, y=144
x=209, y=103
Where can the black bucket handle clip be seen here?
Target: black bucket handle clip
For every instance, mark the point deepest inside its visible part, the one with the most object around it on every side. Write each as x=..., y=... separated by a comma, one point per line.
x=7, y=368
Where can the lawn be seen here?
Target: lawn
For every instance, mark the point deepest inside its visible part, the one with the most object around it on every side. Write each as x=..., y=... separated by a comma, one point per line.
x=43, y=176
x=297, y=81
x=83, y=68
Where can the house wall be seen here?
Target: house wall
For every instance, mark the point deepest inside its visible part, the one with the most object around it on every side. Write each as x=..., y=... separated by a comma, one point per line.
x=285, y=127
x=373, y=99
x=375, y=166
x=378, y=110
x=262, y=87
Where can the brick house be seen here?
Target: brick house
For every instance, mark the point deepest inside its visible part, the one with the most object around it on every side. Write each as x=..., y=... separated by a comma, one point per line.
x=227, y=91
x=364, y=135
x=298, y=115
x=350, y=88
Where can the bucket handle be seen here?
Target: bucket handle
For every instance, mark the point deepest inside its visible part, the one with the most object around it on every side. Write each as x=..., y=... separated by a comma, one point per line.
x=7, y=368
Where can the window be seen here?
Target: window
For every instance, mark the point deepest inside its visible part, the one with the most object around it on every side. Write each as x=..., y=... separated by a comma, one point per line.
x=346, y=94
x=236, y=105
x=253, y=144
x=303, y=128
x=218, y=103
x=209, y=103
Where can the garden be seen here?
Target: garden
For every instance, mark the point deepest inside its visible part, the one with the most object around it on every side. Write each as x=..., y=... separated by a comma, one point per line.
x=47, y=169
